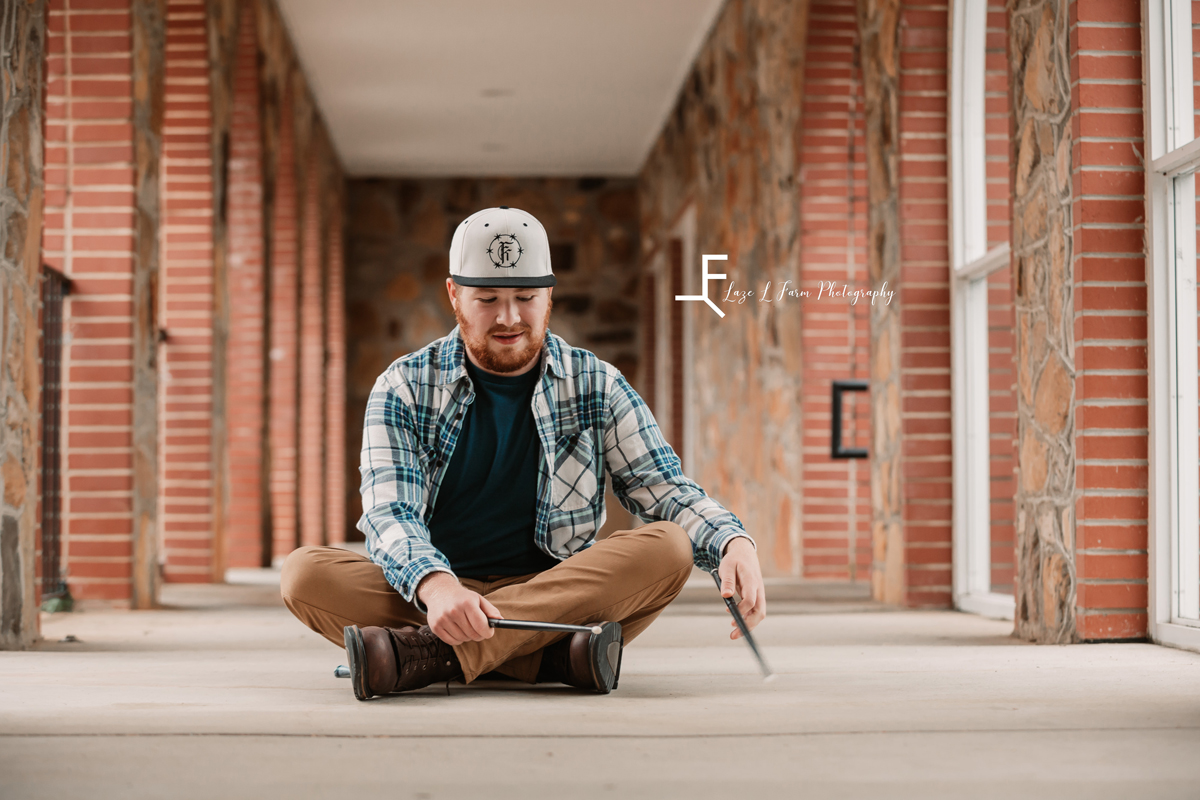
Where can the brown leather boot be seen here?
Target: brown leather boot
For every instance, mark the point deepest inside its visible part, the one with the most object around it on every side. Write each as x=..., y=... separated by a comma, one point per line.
x=585, y=660
x=384, y=660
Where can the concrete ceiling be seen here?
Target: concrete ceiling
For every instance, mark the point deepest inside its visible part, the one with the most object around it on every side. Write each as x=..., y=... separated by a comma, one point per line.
x=478, y=88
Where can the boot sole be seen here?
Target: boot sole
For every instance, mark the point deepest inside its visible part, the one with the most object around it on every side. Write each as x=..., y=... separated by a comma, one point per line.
x=356, y=654
x=620, y=655
x=605, y=650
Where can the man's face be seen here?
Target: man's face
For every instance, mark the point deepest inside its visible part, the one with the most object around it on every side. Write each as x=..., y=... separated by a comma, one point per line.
x=488, y=318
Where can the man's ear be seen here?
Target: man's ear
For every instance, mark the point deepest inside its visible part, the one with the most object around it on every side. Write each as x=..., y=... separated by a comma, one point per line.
x=452, y=290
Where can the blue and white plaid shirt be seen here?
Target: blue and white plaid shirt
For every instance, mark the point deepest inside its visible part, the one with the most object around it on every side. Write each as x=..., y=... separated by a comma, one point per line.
x=588, y=417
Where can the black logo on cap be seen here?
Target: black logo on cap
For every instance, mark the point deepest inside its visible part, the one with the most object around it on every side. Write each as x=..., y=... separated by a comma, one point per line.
x=505, y=250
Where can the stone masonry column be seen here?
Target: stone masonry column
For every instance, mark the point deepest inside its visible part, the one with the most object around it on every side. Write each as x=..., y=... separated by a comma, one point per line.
x=149, y=70
x=879, y=34
x=21, y=191
x=1042, y=241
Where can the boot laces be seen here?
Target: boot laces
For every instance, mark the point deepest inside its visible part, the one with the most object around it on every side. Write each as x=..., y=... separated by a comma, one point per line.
x=421, y=652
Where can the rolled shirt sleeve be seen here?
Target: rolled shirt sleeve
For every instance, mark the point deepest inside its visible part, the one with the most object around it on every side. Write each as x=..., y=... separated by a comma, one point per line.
x=648, y=478
x=394, y=491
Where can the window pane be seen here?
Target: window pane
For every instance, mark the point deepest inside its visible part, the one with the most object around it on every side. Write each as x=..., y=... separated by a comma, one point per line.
x=1188, y=545
x=1002, y=398
x=1002, y=428
x=1188, y=551
x=1186, y=566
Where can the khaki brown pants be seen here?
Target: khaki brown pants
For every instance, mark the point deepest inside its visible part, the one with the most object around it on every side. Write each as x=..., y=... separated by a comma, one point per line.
x=630, y=577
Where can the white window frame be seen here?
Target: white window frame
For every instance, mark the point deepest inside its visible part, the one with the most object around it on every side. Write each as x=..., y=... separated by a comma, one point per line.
x=1174, y=157
x=971, y=263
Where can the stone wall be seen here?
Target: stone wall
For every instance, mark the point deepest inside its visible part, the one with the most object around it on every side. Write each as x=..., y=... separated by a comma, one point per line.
x=729, y=149
x=1042, y=240
x=397, y=261
x=23, y=28
x=879, y=27
x=149, y=20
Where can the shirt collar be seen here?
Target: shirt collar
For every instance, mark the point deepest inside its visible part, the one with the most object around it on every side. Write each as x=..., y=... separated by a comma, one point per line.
x=452, y=358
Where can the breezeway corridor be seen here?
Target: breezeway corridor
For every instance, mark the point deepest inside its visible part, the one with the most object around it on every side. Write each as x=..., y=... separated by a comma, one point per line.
x=948, y=382
x=223, y=694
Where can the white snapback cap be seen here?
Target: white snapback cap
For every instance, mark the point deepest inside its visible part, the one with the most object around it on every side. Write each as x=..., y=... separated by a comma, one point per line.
x=502, y=247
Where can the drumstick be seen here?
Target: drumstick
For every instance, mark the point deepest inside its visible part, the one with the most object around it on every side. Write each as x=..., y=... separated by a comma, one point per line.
x=532, y=625
x=741, y=624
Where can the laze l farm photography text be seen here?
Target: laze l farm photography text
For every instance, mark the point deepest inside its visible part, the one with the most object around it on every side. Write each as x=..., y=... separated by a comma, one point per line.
x=826, y=290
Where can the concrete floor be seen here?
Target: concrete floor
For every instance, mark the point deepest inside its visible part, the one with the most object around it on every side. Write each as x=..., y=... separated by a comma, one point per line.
x=223, y=694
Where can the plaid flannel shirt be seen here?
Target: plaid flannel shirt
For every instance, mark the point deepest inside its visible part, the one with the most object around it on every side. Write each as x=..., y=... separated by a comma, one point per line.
x=588, y=419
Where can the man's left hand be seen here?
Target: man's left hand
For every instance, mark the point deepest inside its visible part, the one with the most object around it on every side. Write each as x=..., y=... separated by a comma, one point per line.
x=740, y=571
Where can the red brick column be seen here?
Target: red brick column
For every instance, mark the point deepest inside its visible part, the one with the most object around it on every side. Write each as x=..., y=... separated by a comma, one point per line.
x=89, y=235
x=924, y=295
x=312, y=364
x=832, y=184
x=283, y=341
x=186, y=368
x=1108, y=276
x=246, y=347
x=335, y=384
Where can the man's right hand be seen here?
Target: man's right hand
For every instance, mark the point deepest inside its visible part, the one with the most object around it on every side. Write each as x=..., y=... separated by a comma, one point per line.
x=456, y=614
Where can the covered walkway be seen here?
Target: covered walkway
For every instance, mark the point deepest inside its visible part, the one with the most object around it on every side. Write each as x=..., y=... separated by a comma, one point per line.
x=948, y=368
x=222, y=694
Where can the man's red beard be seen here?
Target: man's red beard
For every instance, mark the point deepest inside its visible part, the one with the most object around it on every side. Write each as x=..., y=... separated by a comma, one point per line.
x=511, y=358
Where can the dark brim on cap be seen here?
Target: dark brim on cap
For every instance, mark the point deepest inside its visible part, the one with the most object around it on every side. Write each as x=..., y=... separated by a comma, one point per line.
x=507, y=283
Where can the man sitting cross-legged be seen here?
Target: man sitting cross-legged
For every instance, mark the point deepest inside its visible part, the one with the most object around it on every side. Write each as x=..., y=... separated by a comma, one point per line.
x=484, y=461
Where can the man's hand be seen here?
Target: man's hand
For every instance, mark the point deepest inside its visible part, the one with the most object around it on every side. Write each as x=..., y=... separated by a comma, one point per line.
x=456, y=614
x=739, y=570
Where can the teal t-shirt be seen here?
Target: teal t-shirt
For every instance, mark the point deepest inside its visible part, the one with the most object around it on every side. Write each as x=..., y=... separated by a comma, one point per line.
x=486, y=508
